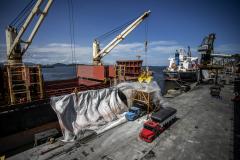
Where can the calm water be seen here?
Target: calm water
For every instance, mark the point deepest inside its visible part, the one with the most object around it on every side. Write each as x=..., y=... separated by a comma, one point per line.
x=67, y=72
x=59, y=73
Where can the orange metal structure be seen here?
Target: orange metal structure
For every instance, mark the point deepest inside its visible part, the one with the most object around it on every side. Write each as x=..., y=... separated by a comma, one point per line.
x=26, y=84
x=91, y=72
x=22, y=84
x=132, y=69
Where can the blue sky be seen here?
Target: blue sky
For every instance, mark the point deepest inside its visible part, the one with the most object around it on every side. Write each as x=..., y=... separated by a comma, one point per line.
x=173, y=24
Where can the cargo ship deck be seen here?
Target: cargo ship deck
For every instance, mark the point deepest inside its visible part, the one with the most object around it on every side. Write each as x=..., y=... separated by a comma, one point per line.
x=203, y=130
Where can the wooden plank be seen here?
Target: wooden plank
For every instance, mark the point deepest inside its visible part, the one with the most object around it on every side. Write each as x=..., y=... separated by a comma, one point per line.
x=40, y=81
x=143, y=97
x=12, y=96
x=27, y=81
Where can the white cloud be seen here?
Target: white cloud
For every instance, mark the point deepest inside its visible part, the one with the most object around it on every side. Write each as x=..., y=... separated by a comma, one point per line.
x=154, y=46
x=158, y=52
x=58, y=53
x=228, y=48
x=166, y=43
x=59, y=48
x=59, y=45
x=128, y=47
x=165, y=49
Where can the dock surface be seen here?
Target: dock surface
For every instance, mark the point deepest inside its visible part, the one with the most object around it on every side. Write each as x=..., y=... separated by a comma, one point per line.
x=203, y=130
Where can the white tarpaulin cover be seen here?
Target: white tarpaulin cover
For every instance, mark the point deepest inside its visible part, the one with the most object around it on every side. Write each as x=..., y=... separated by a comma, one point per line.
x=93, y=109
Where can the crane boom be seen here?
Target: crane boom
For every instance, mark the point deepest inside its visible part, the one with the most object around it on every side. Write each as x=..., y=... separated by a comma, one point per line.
x=14, y=38
x=98, y=53
x=207, y=48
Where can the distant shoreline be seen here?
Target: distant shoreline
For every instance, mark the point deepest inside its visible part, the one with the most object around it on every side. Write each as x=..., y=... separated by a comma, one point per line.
x=62, y=64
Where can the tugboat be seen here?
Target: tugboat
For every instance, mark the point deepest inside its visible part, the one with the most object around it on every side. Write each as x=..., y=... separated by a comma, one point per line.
x=182, y=67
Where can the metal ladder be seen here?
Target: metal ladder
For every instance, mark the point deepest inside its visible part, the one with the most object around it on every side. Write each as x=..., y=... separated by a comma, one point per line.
x=120, y=73
x=19, y=83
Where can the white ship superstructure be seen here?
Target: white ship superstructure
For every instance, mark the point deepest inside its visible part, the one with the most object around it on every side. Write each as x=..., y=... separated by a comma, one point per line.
x=182, y=61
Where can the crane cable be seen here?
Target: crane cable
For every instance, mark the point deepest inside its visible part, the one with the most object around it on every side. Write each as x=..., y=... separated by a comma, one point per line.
x=115, y=30
x=146, y=44
x=72, y=30
x=18, y=21
x=18, y=26
x=146, y=75
x=23, y=14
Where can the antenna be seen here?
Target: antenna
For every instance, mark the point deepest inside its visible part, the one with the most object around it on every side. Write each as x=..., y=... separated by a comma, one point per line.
x=138, y=57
